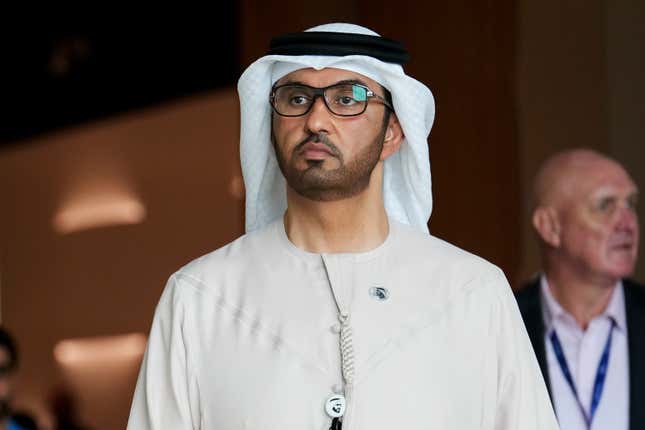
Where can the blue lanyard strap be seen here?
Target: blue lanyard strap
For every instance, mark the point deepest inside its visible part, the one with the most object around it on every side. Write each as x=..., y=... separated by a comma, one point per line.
x=601, y=374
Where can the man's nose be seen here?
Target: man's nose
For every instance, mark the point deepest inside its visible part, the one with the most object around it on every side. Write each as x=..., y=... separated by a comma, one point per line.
x=319, y=117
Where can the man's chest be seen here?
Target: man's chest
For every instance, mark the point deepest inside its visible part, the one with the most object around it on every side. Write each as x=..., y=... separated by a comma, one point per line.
x=272, y=352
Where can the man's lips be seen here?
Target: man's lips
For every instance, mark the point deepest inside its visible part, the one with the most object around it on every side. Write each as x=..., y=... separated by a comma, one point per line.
x=624, y=244
x=315, y=151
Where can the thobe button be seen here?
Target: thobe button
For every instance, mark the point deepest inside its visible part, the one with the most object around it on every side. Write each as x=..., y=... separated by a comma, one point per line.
x=379, y=293
x=335, y=328
x=335, y=406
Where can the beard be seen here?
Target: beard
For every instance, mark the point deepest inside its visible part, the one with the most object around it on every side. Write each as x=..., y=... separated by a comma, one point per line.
x=320, y=184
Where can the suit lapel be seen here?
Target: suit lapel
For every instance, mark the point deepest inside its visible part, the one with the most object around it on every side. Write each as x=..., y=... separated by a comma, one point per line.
x=531, y=309
x=635, y=310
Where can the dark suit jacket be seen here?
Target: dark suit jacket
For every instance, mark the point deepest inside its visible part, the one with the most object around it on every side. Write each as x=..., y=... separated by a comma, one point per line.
x=528, y=299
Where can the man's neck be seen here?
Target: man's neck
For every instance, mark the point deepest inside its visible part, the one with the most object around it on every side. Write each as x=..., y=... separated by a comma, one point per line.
x=583, y=299
x=355, y=224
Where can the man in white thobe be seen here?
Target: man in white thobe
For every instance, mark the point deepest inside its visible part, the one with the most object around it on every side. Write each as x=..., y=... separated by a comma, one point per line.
x=337, y=309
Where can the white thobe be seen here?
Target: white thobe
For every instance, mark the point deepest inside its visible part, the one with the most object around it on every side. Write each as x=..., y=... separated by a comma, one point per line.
x=247, y=338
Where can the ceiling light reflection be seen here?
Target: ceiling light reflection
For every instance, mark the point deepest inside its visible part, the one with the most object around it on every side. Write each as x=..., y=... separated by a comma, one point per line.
x=94, y=212
x=88, y=351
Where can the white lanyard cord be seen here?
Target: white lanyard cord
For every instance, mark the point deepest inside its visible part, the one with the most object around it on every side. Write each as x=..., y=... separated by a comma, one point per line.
x=346, y=339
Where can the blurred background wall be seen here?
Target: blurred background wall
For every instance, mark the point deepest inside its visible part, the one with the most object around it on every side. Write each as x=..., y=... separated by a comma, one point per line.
x=579, y=83
x=119, y=163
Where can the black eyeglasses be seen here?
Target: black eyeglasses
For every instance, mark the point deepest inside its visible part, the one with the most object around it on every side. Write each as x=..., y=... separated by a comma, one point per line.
x=342, y=99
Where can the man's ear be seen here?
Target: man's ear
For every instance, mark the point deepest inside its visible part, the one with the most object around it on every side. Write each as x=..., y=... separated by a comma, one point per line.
x=393, y=137
x=547, y=225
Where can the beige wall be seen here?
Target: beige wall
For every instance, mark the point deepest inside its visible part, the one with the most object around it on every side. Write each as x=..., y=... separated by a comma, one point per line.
x=179, y=160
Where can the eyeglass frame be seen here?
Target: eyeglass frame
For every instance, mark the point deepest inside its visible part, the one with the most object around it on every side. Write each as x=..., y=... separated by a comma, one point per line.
x=320, y=92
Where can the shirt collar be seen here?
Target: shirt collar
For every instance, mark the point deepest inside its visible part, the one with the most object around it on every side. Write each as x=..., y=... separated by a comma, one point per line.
x=551, y=309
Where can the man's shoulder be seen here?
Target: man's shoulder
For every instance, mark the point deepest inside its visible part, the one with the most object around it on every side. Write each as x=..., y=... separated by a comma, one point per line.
x=630, y=283
x=529, y=291
x=239, y=255
x=433, y=252
x=528, y=297
x=634, y=293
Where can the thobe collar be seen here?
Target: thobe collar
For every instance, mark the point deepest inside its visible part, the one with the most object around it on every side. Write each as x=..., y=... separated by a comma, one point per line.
x=552, y=310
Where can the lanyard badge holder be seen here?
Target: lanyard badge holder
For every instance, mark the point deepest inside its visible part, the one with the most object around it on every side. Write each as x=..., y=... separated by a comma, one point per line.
x=601, y=374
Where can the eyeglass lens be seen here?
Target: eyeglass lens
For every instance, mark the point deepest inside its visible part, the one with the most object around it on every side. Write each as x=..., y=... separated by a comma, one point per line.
x=341, y=99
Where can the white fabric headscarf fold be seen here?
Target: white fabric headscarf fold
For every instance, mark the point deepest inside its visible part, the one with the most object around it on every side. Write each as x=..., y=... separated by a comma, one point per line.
x=406, y=179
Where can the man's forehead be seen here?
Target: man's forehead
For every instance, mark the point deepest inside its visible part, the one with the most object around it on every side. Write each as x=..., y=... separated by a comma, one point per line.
x=611, y=182
x=577, y=174
x=325, y=77
x=601, y=179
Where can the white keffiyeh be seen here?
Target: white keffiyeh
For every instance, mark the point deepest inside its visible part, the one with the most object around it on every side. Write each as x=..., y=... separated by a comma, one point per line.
x=406, y=181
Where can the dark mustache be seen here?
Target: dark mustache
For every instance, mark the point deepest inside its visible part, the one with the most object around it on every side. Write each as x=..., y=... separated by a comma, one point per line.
x=318, y=138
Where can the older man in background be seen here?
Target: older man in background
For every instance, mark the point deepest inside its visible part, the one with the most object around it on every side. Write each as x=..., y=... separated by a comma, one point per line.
x=584, y=318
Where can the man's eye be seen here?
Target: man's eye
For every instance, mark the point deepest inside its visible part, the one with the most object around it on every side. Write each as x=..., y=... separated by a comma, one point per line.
x=345, y=100
x=299, y=100
x=605, y=205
